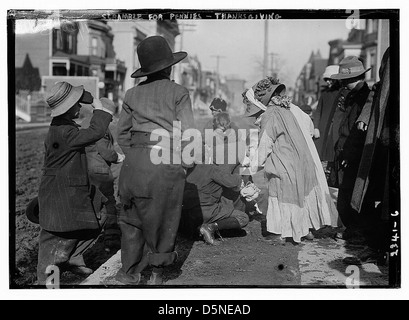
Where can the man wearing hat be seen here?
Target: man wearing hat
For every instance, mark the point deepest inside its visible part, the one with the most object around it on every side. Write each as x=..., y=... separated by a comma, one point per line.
x=151, y=193
x=350, y=143
x=68, y=207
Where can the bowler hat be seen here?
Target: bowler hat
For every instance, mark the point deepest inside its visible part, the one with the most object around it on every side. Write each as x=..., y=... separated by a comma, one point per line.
x=155, y=55
x=32, y=211
x=218, y=105
x=63, y=96
x=350, y=67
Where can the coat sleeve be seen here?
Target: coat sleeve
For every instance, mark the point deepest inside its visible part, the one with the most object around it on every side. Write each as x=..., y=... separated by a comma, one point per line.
x=124, y=127
x=226, y=179
x=318, y=112
x=184, y=114
x=367, y=109
x=106, y=149
x=80, y=138
x=265, y=146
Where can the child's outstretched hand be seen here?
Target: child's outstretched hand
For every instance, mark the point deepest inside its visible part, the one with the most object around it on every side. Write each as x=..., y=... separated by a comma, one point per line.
x=96, y=104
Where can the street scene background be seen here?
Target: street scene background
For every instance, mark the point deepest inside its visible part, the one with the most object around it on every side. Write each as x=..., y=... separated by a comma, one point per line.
x=224, y=58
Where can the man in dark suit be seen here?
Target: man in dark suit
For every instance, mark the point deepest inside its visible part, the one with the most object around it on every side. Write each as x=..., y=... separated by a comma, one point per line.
x=68, y=208
x=350, y=143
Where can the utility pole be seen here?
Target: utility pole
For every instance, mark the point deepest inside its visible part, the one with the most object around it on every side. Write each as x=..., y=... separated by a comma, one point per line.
x=273, y=69
x=183, y=27
x=218, y=57
x=265, y=63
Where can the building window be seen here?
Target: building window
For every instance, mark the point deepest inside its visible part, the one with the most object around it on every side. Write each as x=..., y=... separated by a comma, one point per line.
x=109, y=75
x=372, y=25
x=369, y=26
x=375, y=25
x=371, y=63
x=57, y=41
x=63, y=41
x=59, y=69
x=94, y=46
x=73, y=68
x=70, y=43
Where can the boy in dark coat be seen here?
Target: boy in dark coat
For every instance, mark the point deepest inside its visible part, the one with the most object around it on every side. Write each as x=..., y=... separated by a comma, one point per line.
x=203, y=204
x=69, y=209
x=151, y=190
x=100, y=156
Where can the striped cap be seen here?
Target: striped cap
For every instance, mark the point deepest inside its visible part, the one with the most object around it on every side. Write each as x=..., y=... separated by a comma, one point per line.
x=63, y=96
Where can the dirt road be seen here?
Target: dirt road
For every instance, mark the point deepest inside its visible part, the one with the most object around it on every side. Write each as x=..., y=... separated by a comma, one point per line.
x=244, y=259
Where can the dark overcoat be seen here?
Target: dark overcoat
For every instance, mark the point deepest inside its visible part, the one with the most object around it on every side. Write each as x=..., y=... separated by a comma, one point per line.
x=65, y=197
x=322, y=119
x=351, y=140
x=373, y=174
x=101, y=155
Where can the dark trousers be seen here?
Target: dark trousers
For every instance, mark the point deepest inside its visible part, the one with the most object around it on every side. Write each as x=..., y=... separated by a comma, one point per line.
x=346, y=182
x=350, y=218
x=62, y=248
x=151, y=196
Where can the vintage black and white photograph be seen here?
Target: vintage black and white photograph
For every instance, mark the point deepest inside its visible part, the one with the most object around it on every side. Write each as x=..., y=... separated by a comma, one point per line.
x=204, y=148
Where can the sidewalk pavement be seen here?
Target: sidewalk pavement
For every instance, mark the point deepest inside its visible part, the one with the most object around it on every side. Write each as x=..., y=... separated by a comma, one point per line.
x=27, y=126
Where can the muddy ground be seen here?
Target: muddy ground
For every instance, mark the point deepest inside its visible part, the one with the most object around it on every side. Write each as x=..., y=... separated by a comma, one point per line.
x=245, y=258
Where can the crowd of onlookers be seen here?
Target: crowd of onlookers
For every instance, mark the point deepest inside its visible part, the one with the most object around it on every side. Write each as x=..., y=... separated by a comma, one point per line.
x=358, y=144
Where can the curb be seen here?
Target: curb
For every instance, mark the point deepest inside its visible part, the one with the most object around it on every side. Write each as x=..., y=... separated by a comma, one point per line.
x=22, y=127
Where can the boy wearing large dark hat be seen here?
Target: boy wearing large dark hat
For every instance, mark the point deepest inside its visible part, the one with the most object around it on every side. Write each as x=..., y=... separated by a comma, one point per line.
x=151, y=193
x=69, y=209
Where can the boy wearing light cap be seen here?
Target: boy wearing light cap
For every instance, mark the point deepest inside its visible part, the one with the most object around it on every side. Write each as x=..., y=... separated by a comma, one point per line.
x=68, y=208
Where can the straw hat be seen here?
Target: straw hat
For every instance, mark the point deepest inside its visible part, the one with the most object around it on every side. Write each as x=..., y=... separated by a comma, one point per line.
x=63, y=96
x=155, y=55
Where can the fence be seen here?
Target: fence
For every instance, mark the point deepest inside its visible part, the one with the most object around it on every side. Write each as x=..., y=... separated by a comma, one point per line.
x=31, y=107
x=23, y=106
